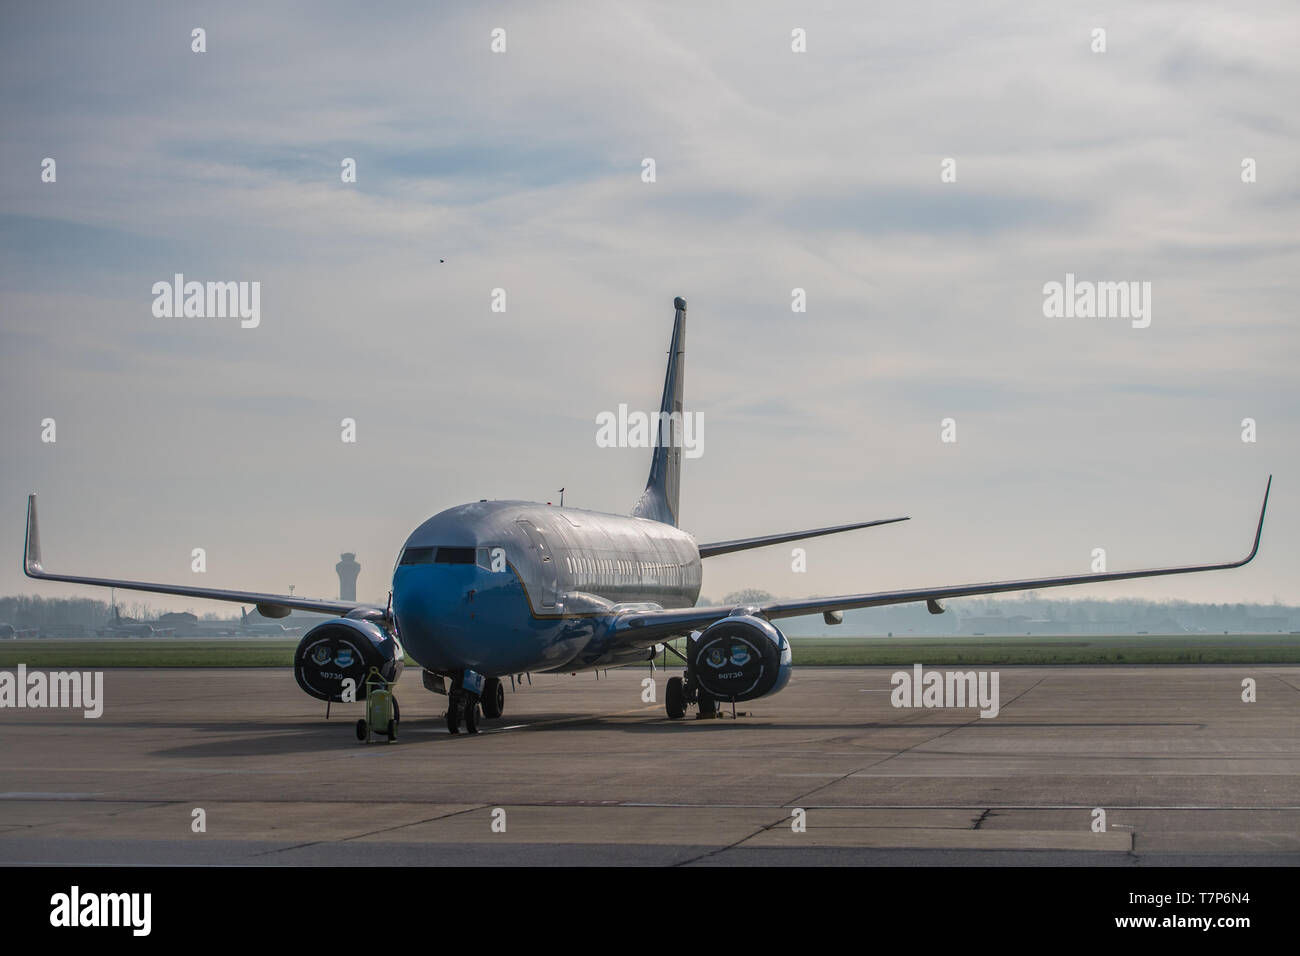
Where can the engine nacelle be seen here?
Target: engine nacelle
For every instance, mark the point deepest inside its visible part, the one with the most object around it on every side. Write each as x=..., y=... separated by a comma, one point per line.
x=331, y=652
x=740, y=658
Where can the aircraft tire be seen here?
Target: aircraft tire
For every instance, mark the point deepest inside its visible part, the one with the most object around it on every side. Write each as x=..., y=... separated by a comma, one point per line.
x=675, y=699
x=708, y=706
x=454, y=706
x=471, y=715
x=494, y=698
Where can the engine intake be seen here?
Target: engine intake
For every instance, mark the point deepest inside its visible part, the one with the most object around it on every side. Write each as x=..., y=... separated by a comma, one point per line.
x=740, y=658
x=331, y=652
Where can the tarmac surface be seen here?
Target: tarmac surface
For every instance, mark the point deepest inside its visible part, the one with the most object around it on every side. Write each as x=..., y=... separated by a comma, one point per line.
x=582, y=771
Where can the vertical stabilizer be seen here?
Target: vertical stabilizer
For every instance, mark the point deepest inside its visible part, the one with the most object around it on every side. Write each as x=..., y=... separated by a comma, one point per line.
x=659, y=502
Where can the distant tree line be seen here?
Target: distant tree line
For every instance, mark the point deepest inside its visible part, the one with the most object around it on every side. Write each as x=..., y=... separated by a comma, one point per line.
x=30, y=610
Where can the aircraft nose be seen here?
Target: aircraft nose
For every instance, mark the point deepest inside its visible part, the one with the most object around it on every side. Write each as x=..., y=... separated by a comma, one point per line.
x=428, y=604
x=417, y=616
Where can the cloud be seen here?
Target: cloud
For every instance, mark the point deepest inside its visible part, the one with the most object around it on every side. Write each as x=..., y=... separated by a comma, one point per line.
x=775, y=171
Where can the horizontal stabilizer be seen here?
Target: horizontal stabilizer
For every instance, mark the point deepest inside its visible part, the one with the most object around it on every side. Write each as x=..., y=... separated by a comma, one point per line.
x=744, y=544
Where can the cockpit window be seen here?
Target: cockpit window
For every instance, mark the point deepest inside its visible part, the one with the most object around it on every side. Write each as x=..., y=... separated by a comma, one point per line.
x=417, y=556
x=438, y=556
x=454, y=556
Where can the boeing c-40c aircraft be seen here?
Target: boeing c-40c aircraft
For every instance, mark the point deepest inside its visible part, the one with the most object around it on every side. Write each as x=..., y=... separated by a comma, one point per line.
x=495, y=588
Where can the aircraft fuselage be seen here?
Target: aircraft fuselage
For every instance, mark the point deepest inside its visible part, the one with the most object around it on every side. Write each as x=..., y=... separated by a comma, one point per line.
x=502, y=587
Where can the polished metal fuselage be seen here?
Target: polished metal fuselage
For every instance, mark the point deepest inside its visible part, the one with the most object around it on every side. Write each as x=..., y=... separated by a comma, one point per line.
x=544, y=591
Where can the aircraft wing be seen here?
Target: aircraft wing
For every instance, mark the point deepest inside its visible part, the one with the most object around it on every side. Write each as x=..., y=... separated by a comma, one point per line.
x=266, y=602
x=744, y=544
x=651, y=625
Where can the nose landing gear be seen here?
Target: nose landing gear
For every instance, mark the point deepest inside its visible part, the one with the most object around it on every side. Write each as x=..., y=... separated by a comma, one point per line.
x=462, y=706
x=467, y=693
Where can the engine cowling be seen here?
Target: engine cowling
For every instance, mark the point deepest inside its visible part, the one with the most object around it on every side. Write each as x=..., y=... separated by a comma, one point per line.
x=331, y=652
x=740, y=658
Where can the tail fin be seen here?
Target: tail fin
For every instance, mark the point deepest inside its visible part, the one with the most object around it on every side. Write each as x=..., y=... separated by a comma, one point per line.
x=659, y=501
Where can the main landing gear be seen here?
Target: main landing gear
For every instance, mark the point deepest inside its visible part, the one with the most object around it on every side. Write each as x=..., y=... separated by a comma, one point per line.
x=680, y=693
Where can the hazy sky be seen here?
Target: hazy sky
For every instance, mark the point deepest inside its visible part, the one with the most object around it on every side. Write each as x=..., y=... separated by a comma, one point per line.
x=775, y=170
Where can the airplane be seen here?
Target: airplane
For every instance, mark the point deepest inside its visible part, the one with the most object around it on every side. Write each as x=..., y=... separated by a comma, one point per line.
x=491, y=589
x=264, y=627
x=121, y=626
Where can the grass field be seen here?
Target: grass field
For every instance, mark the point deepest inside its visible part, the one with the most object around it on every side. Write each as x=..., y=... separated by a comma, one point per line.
x=150, y=652
x=808, y=651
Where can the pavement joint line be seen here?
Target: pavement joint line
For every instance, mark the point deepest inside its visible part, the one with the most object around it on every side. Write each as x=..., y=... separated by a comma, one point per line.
x=1279, y=677
x=399, y=826
x=954, y=729
x=722, y=849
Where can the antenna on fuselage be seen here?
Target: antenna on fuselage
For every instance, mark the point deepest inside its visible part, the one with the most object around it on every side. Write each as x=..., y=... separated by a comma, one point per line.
x=561, y=497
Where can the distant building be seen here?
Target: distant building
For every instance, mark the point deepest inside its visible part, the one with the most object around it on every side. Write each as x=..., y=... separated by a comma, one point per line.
x=348, y=570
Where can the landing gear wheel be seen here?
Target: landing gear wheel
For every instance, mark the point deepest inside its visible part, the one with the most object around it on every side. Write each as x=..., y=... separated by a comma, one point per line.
x=361, y=730
x=708, y=706
x=494, y=698
x=392, y=731
x=675, y=699
x=454, y=707
x=471, y=715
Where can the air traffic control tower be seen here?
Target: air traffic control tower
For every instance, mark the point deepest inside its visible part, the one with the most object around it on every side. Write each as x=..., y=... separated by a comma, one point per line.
x=348, y=570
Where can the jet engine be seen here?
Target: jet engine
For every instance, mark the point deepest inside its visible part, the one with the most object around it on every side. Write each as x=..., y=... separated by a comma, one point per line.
x=740, y=658
x=346, y=648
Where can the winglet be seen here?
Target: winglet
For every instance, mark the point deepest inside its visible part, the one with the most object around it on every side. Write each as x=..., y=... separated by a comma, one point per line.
x=1260, y=529
x=32, y=546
